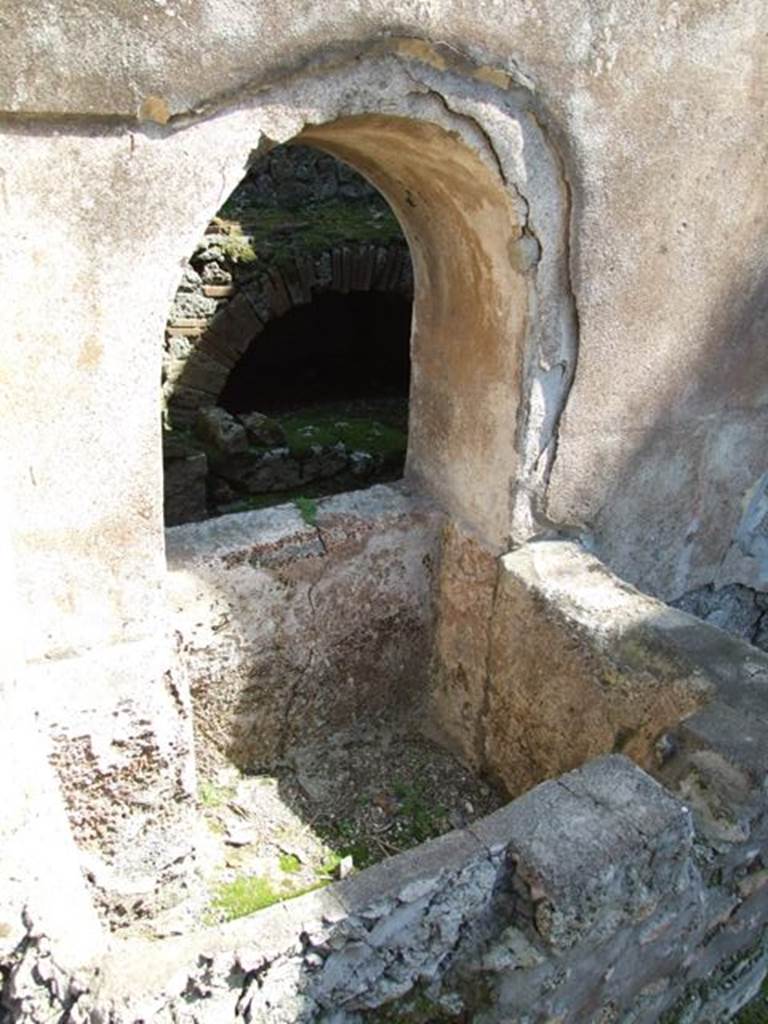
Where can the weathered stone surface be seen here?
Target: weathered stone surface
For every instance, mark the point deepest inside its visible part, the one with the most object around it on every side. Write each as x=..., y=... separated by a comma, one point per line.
x=121, y=742
x=219, y=428
x=290, y=628
x=458, y=681
x=580, y=901
x=184, y=482
x=262, y=429
x=508, y=433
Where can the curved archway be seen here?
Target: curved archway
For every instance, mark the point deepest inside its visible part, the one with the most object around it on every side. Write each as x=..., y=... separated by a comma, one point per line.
x=470, y=307
x=484, y=202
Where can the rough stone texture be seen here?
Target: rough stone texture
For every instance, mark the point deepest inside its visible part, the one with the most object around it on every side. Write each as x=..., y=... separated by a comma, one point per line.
x=584, y=900
x=184, y=486
x=119, y=723
x=206, y=337
x=458, y=679
x=735, y=608
x=289, y=628
x=599, y=895
x=222, y=430
x=613, y=85
x=544, y=659
x=540, y=158
x=296, y=175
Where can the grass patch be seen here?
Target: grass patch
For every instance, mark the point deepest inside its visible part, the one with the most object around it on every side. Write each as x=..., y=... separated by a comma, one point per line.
x=327, y=428
x=249, y=893
x=277, y=233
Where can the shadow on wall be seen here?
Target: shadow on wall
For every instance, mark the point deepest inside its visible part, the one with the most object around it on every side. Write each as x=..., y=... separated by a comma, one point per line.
x=336, y=347
x=676, y=486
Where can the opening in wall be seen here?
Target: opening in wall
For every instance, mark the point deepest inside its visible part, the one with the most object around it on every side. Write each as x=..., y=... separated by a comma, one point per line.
x=308, y=633
x=286, y=363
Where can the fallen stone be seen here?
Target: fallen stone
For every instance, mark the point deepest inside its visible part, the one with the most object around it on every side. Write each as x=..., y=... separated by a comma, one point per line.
x=262, y=429
x=219, y=428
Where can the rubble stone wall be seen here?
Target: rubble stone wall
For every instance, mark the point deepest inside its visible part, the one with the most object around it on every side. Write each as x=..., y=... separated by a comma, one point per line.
x=607, y=894
x=207, y=334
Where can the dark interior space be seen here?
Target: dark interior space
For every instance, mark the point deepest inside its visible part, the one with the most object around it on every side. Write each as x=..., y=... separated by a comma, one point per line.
x=338, y=347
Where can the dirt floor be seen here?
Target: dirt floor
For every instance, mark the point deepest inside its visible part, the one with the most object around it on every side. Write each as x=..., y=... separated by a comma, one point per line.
x=325, y=811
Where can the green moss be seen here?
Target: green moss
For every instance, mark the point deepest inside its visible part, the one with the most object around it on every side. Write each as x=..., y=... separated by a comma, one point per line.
x=289, y=863
x=213, y=795
x=244, y=896
x=238, y=249
x=327, y=427
x=249, y=893
x=308, y=509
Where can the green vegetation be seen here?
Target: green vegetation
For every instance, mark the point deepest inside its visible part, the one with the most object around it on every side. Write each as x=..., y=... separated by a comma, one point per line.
x=308, y=509
x=421, y=820
x=329, y=866
x=248, y=893
x=213, y=795
x=755, y=1012
x=344, y=835
x=415, y=820
x=277, y=233
x=289, y=863
x=327, y=427
x=238, y=249
x=415, y=1008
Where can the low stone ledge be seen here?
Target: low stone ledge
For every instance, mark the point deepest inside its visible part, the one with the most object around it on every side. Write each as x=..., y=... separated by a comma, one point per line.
x=421, y=917
x=580, y=664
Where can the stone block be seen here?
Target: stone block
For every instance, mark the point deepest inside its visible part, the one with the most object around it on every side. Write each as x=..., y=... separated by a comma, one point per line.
x=184, y=482
x=579, y=664
x=599, y=847
x=219, y=428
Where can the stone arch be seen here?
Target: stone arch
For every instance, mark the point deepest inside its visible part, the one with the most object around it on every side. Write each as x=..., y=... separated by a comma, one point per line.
x=218, y=342
x=460, y=155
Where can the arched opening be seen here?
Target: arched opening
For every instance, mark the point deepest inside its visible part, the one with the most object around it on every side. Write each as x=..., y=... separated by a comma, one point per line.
x=287, y=357
x=339, y=347
x=316, y=671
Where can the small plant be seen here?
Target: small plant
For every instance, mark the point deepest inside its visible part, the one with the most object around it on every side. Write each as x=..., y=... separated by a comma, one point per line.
x=238, y=249
x=289, y=863
x=329, y=866
x=308, y=510
x=213, y=795
x=421, y=820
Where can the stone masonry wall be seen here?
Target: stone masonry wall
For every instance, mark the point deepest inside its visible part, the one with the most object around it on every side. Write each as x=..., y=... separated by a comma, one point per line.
x=289, y=628
x=604, y=895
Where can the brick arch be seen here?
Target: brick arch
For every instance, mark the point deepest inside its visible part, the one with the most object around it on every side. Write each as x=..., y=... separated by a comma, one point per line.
x=218, y=342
